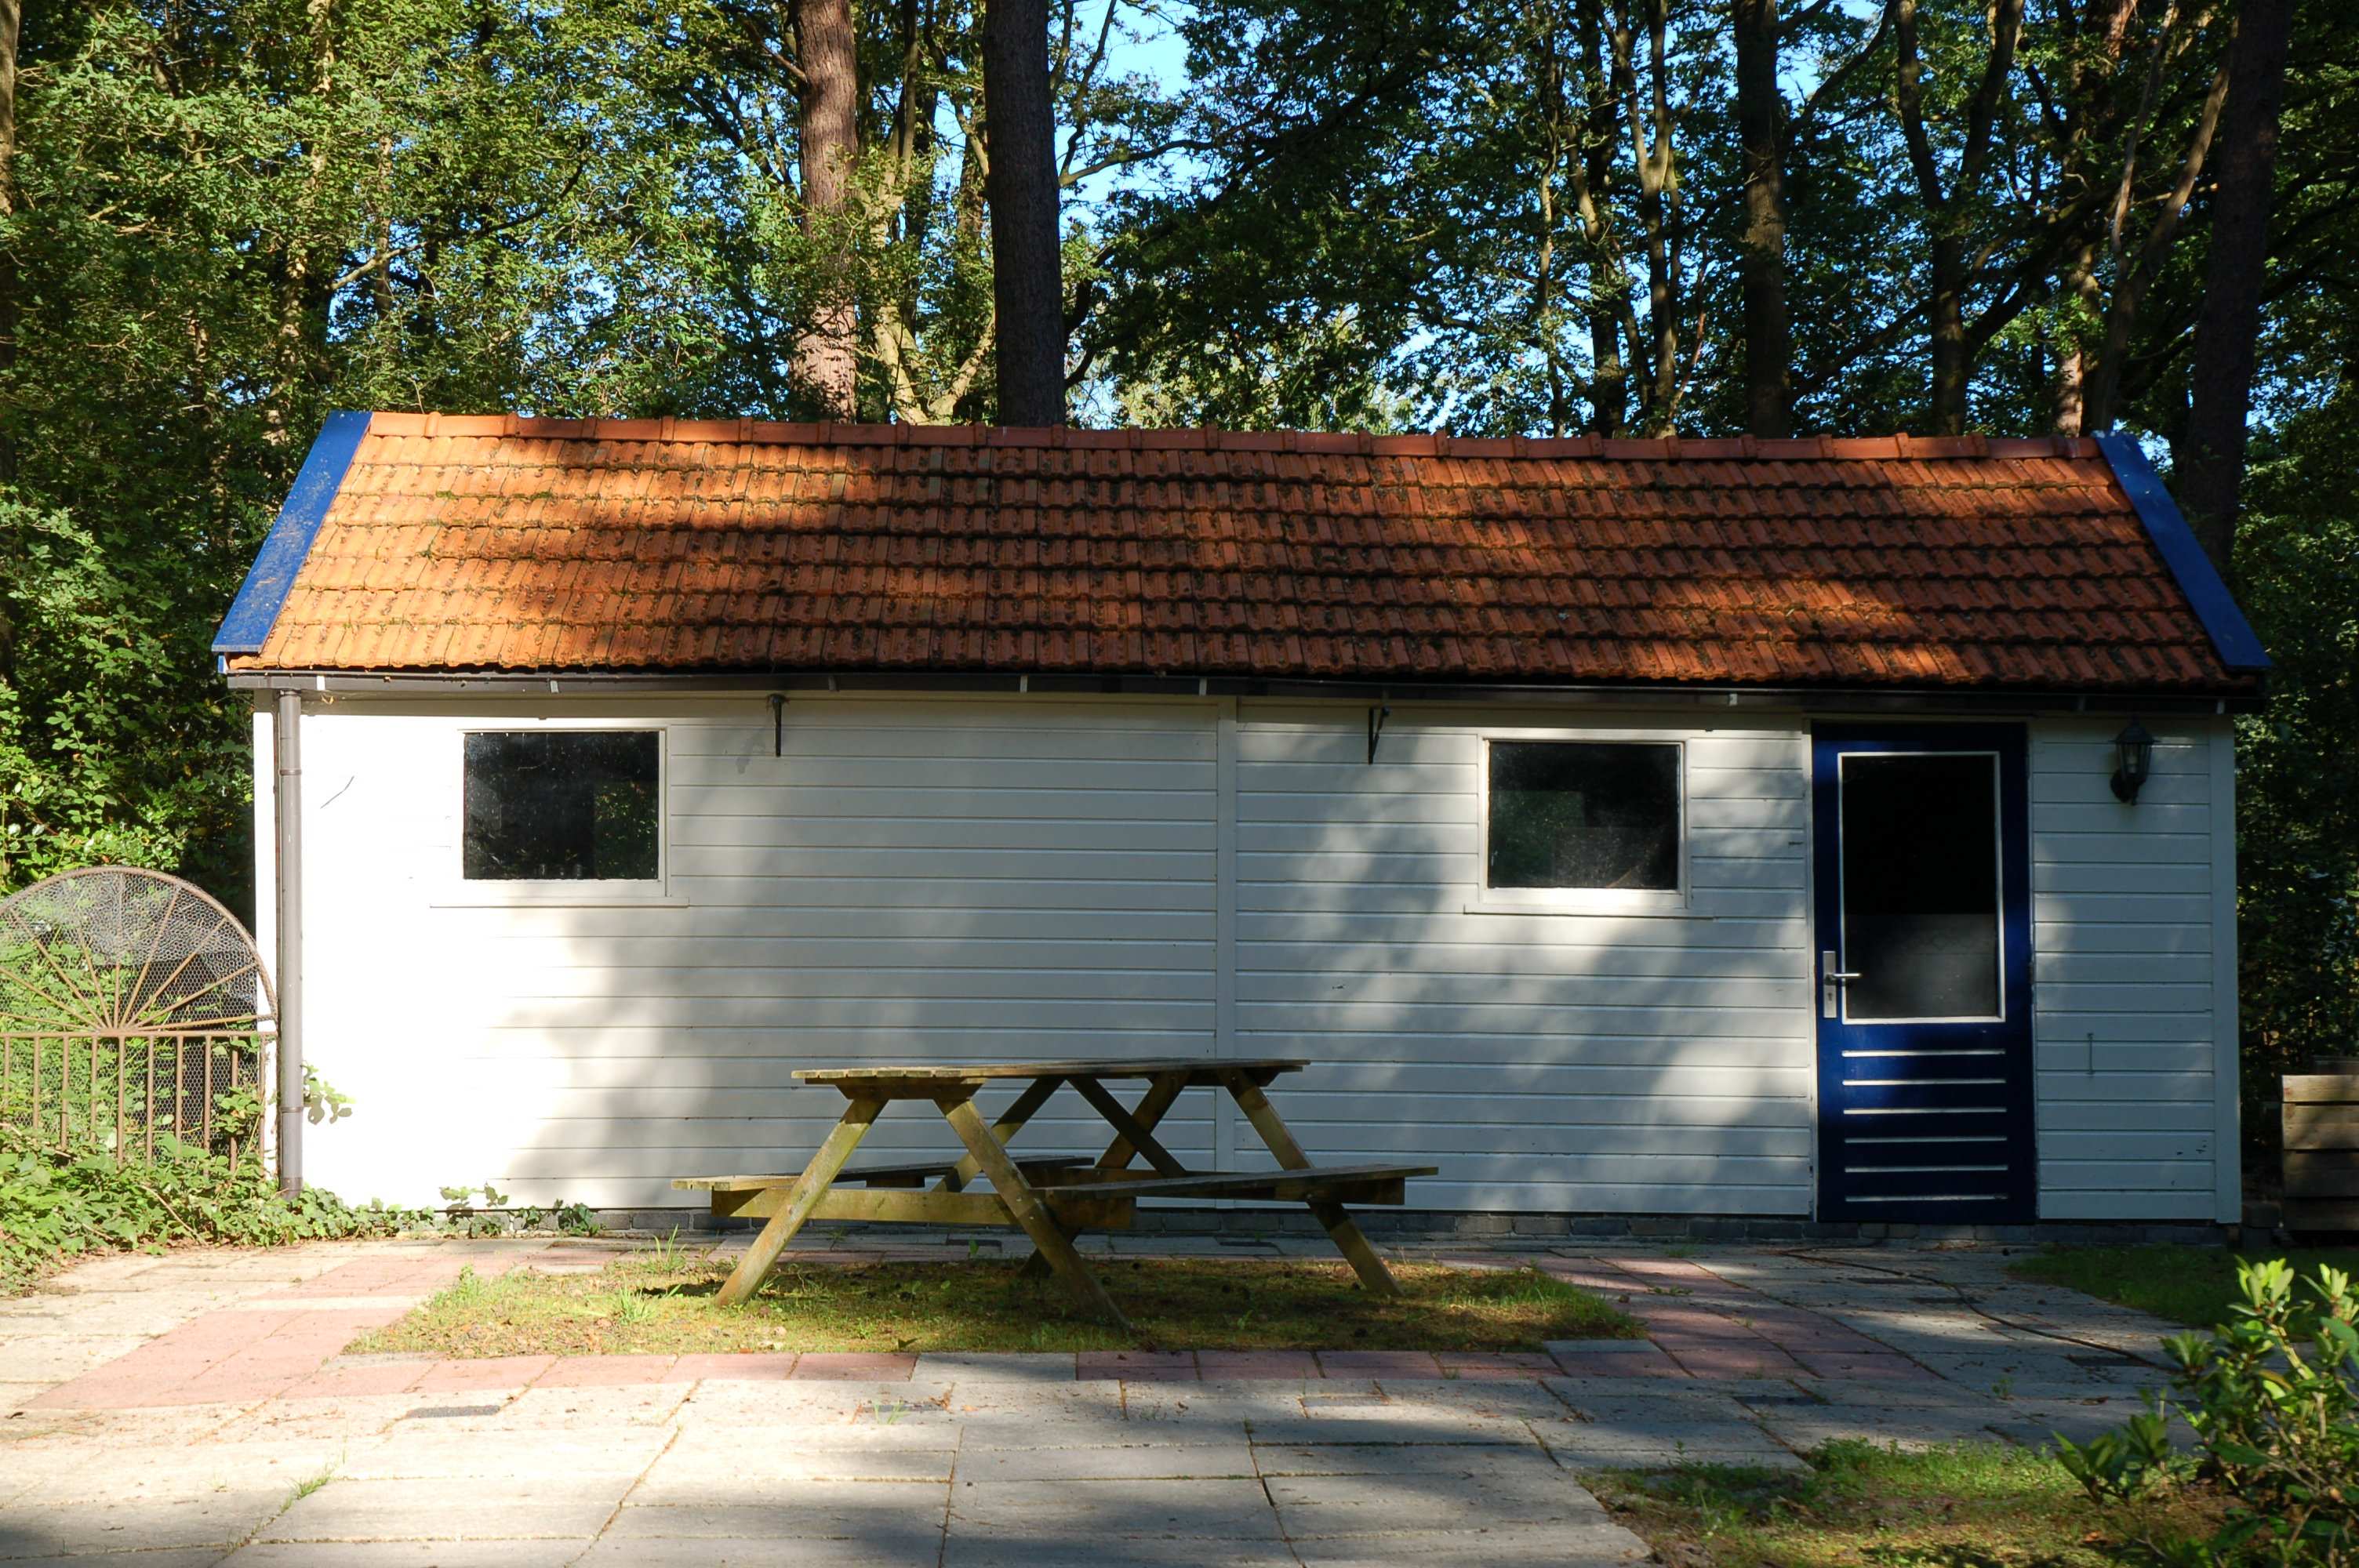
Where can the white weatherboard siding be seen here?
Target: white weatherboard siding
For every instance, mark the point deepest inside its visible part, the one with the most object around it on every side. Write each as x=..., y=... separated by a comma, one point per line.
x=2133, y=984
x=911, y=880
x=938, y=878
x=1544, y=1061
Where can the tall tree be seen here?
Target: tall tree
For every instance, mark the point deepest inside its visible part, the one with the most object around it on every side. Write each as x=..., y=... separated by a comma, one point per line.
x=1647, y=98
x=1951, y=202
x=1020, y=184
x=12, y=15
x=2210, y=460
x=827, y=364
x=1769, y=335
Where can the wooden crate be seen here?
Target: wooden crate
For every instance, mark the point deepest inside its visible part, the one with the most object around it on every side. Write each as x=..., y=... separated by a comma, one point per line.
x=2321, y=1148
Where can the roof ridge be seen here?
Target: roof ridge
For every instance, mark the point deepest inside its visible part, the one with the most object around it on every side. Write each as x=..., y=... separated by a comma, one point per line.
x=1693, y=448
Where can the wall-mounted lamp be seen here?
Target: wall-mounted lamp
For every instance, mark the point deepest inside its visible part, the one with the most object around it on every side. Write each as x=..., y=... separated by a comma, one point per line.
x=2134, y=762
x=777, y=724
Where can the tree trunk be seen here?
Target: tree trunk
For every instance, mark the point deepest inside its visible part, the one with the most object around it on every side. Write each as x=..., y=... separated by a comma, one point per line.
x=1658, y=173
x=827, y=360
x=1947, y=211
x=1952, y=364
x=2212, y=463
x=1591, y=174
x=11, y=14
x=1027, y=284
x=1761, y=252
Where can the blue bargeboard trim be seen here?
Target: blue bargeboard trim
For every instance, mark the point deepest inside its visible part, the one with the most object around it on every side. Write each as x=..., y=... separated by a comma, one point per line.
x=2232, y=634
x=251, y=613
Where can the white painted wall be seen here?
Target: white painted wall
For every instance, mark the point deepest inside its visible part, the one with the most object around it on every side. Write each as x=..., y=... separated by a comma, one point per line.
x=1545, y=1060
x=924, y=877
x=2133, y=975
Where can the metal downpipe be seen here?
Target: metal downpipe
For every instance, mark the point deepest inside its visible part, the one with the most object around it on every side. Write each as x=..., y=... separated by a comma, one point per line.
x=286, y=801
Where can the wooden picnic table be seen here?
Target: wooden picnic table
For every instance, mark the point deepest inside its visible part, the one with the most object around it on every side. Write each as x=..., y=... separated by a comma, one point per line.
x=1053, y=1197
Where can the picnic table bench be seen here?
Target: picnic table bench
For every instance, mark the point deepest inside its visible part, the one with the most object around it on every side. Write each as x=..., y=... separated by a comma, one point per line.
x=1050, y=1198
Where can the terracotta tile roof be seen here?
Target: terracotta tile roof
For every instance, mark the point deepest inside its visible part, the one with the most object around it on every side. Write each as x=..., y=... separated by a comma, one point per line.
x=506, y=544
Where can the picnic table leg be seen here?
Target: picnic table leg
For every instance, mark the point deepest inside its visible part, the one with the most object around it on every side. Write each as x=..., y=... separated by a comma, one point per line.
x=1010, y=1122
x=809, y=1186
x=1341, y=1228
x=1024, y=1206
x=1163, y=1089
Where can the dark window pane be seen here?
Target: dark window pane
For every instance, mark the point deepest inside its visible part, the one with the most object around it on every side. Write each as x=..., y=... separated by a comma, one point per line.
x=1582, y=815
x=1920, y=886
x=561, y=806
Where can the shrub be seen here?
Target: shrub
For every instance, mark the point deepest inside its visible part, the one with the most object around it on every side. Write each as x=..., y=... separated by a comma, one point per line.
x=55, y=1205
x=2273, y=1399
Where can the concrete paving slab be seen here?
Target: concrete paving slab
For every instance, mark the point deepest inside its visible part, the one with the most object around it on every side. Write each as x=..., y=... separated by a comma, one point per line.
x=215, y=1519
x=198, y=1557
x=1544, y=1546
x=55, y=1357
x=1103, y=1462
x=1369, y=1505
x=752, y=1553
x=960, y=1371
x=559, y=1408
x=410, y=1453
x=1398, y=1459
x=1041, y=1550
x=435, y=1510
x=895, y=1519
x=1426, y=1425
x=554, y=1553
x=1225, y=1508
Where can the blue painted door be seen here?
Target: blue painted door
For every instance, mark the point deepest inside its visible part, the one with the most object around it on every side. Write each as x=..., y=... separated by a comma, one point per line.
x=1923, y=957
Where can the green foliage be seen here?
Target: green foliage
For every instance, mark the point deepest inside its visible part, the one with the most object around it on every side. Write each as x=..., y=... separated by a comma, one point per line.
x=2298, y=810
x=2118, y=1465
x=322, y=1099
x=495, y=1216
x=55, y=1207
x=2273, y=1403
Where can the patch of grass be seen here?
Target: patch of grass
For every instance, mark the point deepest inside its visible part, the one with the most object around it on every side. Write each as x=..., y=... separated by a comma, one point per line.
x=2193, y=1285
x=310, y=1484
x=1970, y=1505
x=662, y=1302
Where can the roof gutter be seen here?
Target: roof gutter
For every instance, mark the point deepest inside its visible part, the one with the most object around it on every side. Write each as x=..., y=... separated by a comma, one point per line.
x=2232, y=635
x=516, y=683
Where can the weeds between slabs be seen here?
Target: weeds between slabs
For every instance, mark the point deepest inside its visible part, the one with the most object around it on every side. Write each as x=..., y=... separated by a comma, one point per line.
x=662, y=1303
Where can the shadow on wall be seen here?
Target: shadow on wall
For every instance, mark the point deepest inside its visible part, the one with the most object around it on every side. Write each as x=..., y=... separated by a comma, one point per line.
x=861, y=901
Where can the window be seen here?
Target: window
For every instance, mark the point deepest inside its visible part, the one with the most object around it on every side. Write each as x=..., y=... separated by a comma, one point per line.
x=1593, y=823
x=562, y=805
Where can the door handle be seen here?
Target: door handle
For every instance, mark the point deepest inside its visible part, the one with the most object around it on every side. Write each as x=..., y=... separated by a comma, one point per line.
x=1830, y=983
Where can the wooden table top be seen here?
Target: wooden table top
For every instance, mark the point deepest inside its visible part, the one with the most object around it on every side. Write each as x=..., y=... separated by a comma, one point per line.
x=1108, y=1067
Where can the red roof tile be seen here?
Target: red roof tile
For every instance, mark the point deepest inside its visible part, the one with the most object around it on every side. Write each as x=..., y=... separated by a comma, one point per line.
x=500, y=543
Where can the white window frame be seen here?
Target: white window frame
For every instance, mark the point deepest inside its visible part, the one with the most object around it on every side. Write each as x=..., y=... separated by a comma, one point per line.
x=1489, y=900
x=462, y=892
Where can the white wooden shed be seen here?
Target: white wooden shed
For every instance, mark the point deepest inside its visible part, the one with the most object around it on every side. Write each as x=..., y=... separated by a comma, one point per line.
x=1822, y=830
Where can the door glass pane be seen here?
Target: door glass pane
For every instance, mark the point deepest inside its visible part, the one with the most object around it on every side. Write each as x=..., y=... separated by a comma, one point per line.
x=1920, y=886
